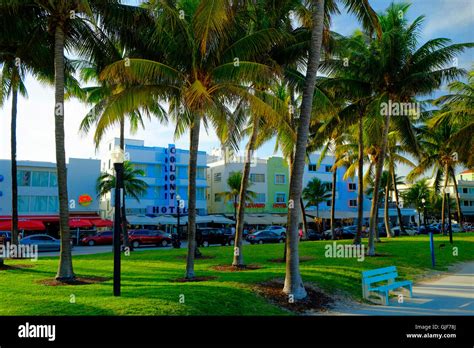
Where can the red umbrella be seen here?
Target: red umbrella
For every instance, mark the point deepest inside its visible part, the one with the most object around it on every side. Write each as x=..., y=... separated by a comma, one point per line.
x=23, y=224
x=102, y=223
x=79, y=223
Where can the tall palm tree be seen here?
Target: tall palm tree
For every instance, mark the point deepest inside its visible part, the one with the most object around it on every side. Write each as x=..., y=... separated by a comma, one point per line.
x=133, y=185
x=199, y=84
x=439, y=154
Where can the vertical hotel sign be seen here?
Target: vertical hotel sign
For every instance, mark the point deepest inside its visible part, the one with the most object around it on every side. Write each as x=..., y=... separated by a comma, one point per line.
x=169, y=185
x=170, y=177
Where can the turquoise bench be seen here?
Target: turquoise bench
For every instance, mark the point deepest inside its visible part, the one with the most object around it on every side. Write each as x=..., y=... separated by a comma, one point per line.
x=371, y=283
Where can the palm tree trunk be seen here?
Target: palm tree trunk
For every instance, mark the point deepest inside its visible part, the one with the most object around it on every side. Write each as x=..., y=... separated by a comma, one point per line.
x=126, y=241
x=238, y=260
x=397, y=200
x=458, y=201
x=333, y=203
x=303, y=217
x=65, y=270
x=15, y=84
x=443, y=207
x=293, y=282
x=386, y=215
x=290, y=165
x=378, y=176
x=193, y=153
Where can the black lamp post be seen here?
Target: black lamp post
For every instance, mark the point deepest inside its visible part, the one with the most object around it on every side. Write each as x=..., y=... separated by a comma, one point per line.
x=117, y=159
x=176, y=241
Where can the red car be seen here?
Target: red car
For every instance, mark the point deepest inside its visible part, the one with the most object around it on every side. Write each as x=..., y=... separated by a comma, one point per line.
x=147, y=237
x=101, y=238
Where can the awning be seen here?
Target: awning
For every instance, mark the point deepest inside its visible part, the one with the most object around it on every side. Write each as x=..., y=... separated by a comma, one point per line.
x=102, y=223
x=79, y=223
x=23, y=224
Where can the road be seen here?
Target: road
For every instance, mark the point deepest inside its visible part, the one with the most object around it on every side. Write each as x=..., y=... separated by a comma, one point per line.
x=451, y=294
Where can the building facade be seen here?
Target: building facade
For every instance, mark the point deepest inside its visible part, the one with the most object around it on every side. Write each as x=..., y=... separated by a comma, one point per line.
x=38, y=192
x=465, y=181
x=269, y=179
x=166, y=173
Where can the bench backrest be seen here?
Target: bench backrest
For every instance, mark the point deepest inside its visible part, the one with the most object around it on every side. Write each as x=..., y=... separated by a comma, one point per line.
x=379, y=274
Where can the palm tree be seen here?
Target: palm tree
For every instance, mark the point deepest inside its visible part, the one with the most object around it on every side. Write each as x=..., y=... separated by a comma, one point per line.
x=133, y=185
x=439, y=154
x=315, y=193
x=415, y=195
x=199, y=84
x=234, y=182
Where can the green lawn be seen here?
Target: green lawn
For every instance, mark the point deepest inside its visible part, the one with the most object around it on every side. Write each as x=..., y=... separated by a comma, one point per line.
x=147, y=289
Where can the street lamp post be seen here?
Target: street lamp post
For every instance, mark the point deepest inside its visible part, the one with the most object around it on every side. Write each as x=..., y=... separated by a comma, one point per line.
x=176, y=241
x=117, y=159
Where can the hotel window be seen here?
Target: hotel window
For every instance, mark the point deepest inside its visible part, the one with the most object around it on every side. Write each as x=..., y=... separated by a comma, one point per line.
x=328, y=168
x=465, y=190
x=280, y=179
x=353, y=203
x=158, y=192
x=329, y=185
x=39, y=203
x=280, y=198
x=259, y=198
x=312, y=167
x=257, y=177
x=328, y=203
x=217, y=197
x=23, y=204
x=24, y=178
x=217, y=177
x=201, y=173
x=201, y=193
x=53, y=179
x=352, y=186
x=466, y=203
x=53, y=204
x=40, y=179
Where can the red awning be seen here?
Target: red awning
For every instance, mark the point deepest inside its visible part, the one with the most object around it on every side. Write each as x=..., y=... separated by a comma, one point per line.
x=102, y=223
x=23, y=224
x=79, y=223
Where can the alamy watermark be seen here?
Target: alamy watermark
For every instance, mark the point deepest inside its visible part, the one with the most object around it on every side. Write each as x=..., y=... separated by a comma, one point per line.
x=400, y=109
x=336, y=250
x=13, y=251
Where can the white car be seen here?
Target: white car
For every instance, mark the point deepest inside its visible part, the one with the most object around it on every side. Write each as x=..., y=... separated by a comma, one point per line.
x=280, y=230
x=409, y=231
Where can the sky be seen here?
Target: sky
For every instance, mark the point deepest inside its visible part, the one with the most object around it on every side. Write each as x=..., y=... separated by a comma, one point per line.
x=453, y=19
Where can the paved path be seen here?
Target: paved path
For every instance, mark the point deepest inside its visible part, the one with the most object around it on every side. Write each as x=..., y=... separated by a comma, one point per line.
x=449, y=295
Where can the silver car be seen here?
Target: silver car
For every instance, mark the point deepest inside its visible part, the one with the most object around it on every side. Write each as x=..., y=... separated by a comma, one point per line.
x=45, y=242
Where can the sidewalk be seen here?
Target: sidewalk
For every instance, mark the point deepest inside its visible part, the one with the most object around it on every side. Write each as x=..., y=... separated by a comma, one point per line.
x=450, y=295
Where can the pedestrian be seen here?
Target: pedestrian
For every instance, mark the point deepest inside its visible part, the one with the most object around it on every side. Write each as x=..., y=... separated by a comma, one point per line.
x=300, y=232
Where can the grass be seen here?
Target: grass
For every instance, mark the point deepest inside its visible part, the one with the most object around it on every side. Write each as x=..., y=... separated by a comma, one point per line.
x=148, y=287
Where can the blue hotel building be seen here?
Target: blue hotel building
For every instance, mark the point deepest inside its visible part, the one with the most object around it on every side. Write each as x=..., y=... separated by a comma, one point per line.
x=166, y=173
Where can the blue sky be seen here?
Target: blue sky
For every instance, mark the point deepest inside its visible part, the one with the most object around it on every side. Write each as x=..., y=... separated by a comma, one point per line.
x=452, y=19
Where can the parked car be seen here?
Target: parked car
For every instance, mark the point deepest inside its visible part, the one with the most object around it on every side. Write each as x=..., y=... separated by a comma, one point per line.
x=313, y=235
x=208, y=235
x=396, y=231
x=277, y=229
x=43, y=241
x=149, y=237
x=265, y=236
x=429, y=229
x=101, y=238
x=7, y=235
